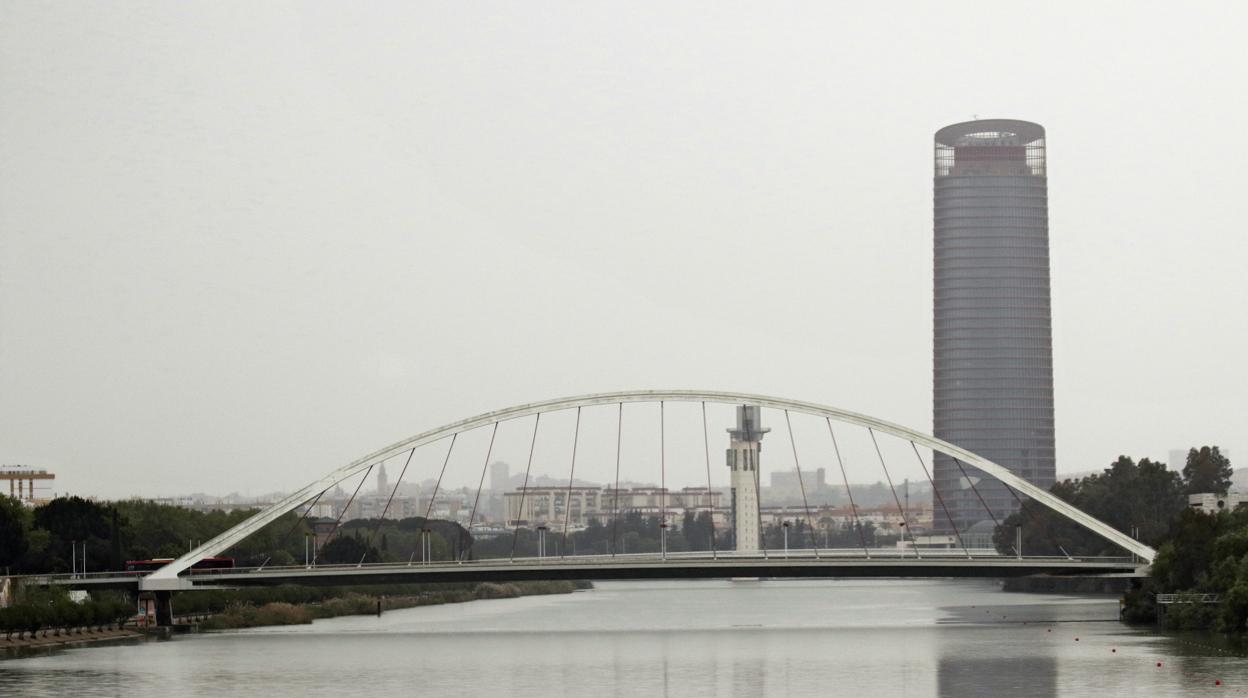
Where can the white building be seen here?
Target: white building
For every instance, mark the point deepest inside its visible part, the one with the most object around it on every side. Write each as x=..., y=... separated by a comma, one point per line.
x=1213, y=502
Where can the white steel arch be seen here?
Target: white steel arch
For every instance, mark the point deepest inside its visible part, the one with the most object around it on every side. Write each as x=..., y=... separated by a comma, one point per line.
x=167, y=576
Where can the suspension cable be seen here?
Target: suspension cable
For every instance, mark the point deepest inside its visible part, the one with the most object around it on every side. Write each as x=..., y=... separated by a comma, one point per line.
x=338, y=521
x=567, y=500
x=853, y=508
x=305, y=515
x=398, y=482
x=481, y=483
x=905, y=521
x=995, y=523
x=810, y=522
x=285, y=538
x=524, y=489
x=940, y=499
x=1012, y=493
x=662, y=470
x=758, y=492
x=615, y=520
x=389, y=499
x=710, y=497
x=438, y=484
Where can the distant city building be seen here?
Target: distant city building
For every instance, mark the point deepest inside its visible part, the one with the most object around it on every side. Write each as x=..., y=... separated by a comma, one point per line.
x=383, y=483
x=792, y=485
x=993, y=357
x=745, y=447
x=551, y=506
x=500, y=474
x=22, y=479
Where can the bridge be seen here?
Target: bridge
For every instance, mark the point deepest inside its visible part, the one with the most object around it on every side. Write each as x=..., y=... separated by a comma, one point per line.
x=822, y=563
x=962, y=560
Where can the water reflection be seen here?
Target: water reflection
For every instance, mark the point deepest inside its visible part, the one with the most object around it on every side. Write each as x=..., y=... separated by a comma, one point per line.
x=958, y=676
x=896, y=638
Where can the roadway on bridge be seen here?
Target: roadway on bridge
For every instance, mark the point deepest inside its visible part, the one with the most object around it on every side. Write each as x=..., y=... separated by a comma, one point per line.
x=828, y=564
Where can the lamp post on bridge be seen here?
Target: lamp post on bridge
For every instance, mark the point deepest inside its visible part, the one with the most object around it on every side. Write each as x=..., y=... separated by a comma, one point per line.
x=663, y=540
x=785, y=525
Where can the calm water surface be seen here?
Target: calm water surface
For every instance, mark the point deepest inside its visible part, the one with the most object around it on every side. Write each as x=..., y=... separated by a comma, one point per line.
x=831, y=638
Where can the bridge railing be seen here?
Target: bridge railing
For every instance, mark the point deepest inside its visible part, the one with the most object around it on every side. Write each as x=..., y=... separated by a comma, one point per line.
x=675, y=559
x=1168, y=599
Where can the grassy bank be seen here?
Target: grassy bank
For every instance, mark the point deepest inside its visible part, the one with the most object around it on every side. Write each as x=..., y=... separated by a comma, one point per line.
x=277, y=607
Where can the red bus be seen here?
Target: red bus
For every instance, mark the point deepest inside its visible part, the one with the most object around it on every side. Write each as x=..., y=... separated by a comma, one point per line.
x=208, y=563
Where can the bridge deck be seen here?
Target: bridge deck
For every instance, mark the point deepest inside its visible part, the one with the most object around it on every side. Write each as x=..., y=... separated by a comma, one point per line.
x=701, y=566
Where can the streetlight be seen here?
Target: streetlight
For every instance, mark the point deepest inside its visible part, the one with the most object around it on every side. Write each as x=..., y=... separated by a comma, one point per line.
x=663, y=540
x=786, y=538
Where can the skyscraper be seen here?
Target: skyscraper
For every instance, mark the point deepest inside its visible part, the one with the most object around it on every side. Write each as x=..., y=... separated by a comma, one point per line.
x=993, y=349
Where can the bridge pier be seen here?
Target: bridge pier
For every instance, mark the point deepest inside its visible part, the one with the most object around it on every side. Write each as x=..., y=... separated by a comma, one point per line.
x=164, y=609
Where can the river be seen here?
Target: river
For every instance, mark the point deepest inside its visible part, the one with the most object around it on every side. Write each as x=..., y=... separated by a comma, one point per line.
x=775, y=638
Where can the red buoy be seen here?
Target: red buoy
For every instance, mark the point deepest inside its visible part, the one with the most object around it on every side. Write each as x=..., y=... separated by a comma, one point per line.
x=1158, y=663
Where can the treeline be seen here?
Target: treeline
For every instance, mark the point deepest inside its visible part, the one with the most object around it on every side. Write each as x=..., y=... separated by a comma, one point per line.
x=51, y=538
x=42, y=540
x=627, y=534
x=1198, y=552
x=1144, y=499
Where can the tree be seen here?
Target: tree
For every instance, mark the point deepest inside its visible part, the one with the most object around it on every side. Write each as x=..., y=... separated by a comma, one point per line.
x=697, y=530
x=1143, y=497
x=1207, y=470
x=74, y=518
x=70, y=520
x=348, y=550
x=14, y=524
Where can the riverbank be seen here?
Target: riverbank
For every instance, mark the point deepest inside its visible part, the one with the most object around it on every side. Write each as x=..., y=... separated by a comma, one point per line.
x=243, y=614
x=50, y=640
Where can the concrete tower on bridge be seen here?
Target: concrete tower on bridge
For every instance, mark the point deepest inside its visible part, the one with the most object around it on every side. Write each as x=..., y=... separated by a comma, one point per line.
x=993, y=349
x=744, y=448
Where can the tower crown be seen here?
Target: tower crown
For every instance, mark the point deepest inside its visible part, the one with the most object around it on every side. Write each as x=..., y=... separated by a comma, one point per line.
x=749, y=424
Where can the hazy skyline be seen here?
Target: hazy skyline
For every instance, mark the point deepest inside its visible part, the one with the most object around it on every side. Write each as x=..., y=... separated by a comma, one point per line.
x=241, y=245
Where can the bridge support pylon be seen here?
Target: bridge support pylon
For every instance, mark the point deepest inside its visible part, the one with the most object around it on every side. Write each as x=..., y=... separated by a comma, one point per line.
x=164, y=609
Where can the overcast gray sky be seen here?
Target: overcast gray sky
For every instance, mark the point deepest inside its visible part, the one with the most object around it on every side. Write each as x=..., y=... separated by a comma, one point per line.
x=244, y=243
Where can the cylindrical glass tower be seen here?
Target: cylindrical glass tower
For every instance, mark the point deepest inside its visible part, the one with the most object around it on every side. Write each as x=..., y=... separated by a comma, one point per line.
x=993, y=349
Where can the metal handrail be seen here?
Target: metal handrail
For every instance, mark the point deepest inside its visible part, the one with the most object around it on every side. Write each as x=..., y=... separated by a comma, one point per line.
x=1166, y=599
